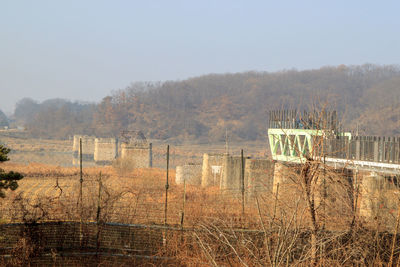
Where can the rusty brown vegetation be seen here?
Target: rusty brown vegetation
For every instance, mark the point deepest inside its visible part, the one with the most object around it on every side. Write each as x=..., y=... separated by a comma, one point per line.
x=310, y=218
x=275, y=230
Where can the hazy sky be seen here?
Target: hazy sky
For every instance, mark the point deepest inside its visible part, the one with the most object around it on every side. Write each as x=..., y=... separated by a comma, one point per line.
x=81, y=50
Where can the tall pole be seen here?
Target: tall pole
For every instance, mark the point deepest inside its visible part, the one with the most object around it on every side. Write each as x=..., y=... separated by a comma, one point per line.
x=183, y=202
x=166, y=189
x=81, y=175
x=325, y=193
x=242, y=180
x=98, y=215
x=80, y=191
x=99, y=200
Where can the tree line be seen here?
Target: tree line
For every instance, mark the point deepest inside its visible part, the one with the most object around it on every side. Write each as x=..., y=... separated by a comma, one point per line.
x=205, y=108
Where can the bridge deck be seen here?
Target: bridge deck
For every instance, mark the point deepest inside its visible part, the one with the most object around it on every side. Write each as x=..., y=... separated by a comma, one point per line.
x=359, y=152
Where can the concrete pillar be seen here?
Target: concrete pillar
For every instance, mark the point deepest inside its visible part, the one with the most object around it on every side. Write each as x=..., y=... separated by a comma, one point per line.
x=137, y=154
x=75, y=146
x=231, y=174
x=286, y=186
x=87, y=149
x=373, y=205
x=191, y=173
x=206, y=172
x=105, y=150
x=380, y=200
x=179, y=176
x=211, y=170
x=259, y=176
x=334, y=193
x=281, y=178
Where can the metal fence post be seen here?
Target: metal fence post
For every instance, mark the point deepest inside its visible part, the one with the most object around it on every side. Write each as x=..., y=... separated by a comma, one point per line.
x=166, y=189
x=80, y=193
x=183, y=202
x=98, y=215
x=242, y=181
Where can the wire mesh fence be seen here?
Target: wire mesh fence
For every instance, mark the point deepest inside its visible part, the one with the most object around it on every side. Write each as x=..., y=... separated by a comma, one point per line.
x=141, y=200
x=125, y=215
x=121, y=199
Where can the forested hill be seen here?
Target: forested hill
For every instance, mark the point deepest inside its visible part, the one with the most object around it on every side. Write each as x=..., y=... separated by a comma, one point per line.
x=203, y=108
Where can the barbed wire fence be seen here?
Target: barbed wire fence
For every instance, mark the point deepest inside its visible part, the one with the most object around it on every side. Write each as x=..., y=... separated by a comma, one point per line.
x=139, y=216
x=142, y=216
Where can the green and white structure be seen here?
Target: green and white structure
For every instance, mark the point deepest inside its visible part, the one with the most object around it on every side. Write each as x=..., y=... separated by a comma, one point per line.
x=293, y=137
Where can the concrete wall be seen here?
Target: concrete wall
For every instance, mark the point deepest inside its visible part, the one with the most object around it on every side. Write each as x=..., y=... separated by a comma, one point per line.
x=231, y=174
x=259, y=176
x=379, y=199
x=75, y=145
x=88, y=143
x=105, y=150
x=225, y=171
x=284, y=187
x=281, y=177
x=211, y=170
x=87, y=146
x=140, y=155
x=332, y=189
x=191, y=173
x=336, y=193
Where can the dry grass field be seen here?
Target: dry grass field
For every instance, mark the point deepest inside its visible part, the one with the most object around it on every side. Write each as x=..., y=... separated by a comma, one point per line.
x=53, y=193
x=25, y=151
x=59, y=152
x=275, y=231
x=131, y=196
